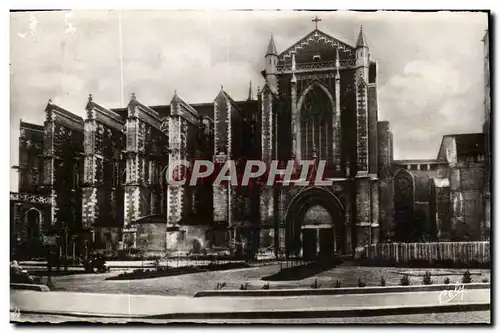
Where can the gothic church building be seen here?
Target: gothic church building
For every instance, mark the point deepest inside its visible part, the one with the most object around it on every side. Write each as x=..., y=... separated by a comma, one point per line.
x=96, y=183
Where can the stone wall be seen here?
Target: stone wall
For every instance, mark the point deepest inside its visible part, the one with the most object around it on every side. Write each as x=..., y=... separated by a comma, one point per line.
x=30, y=158
x=63, y=147
x=363, y=212
x=386, y=202
x=373, y=128
x=145, y=143
x=466, y=186
x=440, y=208
x=102, y=198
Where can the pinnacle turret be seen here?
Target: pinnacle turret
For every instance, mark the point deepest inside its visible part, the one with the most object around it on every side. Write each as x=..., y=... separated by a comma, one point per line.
x=361, y=39
x=271, y=48
x=250, y=92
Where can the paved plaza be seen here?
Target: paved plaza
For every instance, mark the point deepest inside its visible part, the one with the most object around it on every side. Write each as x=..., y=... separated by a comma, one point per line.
x=190, y=284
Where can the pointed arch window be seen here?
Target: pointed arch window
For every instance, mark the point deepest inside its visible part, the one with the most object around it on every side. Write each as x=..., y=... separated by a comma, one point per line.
x=316, y=124
x=404, y=200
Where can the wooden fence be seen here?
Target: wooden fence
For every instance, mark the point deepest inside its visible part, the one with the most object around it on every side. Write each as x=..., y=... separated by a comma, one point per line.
x=450, y=252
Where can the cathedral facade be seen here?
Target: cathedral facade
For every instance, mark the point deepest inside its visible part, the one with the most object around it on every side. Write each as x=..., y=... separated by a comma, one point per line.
x=98, y=182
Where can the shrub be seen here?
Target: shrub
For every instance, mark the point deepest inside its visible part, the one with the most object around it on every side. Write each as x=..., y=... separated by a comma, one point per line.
x=244, y=286
x=427, y=280
x=405, y=280
x=485, y=280
x=315, y=285
x=447, y=280
x=361, y=284
x=220, y=285
x=467, y=278
x=338, y=284
x=266, y=286
x=382, y=282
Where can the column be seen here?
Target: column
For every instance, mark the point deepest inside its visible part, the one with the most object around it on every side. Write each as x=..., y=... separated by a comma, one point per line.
x=267, y=195
x=361, y=129
x=375, y=229
x=48, y=163
x=363, y=213
x=89, y=192
x=220, y=194
x=295, y=115
x=347, y=222
x=281, y=226
x=337, y=124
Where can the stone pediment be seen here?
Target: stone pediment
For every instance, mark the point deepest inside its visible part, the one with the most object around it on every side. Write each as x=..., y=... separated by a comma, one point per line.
x=316, y=42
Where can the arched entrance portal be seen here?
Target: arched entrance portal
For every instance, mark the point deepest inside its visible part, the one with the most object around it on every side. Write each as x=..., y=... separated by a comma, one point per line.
x=314, y=225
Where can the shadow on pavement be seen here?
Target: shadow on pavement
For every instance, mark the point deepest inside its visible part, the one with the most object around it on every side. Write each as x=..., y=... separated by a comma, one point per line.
x=302, y=271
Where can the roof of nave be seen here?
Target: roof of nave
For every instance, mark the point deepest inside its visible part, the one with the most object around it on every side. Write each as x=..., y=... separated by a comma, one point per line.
x=162, y=110
x=471, y=143
x=205, y=109
x=31, y=131
x=30, y=126
x=312, y=37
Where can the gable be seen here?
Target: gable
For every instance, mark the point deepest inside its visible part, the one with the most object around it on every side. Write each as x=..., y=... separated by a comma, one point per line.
x=317, y=43
x=448, y=150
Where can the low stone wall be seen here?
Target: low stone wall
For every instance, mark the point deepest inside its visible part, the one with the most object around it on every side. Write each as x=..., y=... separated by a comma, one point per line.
x=474, y=254
x=27, y=286
x=339, y=291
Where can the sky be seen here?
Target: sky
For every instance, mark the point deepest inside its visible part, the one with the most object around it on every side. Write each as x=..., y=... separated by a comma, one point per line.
x=431, y=77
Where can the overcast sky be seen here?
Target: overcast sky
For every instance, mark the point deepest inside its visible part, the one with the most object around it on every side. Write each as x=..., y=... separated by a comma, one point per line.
x=430, y=64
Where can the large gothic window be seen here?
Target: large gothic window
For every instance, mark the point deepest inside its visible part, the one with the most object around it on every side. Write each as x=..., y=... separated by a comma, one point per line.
x=403, y=206
x=316, y=125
